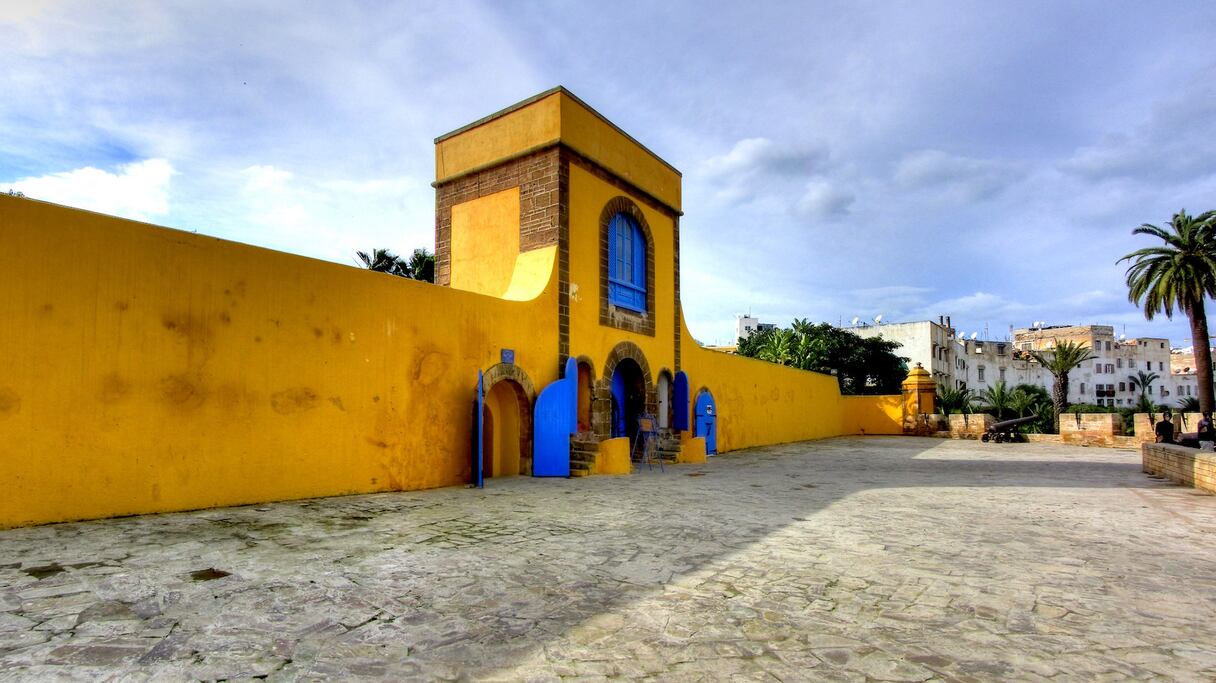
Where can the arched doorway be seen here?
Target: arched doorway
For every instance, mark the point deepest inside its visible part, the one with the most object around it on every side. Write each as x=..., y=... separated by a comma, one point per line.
x=586, y=377
x=665, y=400
x=506, y=397
x=487, y=440
x=628, y=398
x=506, y=410
x=705, y=420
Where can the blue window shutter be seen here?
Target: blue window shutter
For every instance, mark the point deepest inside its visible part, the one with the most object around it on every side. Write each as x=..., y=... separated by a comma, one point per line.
x=612, y=249
x=639, y=258
x=626, y=263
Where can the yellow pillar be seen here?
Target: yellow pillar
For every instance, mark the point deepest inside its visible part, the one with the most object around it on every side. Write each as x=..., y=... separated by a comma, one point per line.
x=920, y=393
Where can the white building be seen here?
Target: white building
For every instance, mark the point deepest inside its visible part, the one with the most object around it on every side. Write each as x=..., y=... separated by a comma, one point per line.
x=1108, y=379
x=745, y=325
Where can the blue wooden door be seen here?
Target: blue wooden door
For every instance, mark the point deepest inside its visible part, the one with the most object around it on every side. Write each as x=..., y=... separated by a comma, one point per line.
x=479, y=445
x=679, y=401
x=618, y=404
x=555, y=418
x=707, y=421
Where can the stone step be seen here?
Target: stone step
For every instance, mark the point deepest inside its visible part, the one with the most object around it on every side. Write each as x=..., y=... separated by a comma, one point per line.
x=579, y=472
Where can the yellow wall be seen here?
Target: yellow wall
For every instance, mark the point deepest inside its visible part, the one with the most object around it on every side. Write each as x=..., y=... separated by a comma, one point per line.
x=485, y=242
x=613, y=457
x=872, y=415
x=170, y=371
x=760, y=403
x=692, y=450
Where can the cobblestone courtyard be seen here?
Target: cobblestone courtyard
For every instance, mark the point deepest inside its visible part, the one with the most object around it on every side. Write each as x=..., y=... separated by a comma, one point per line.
x=848, y=559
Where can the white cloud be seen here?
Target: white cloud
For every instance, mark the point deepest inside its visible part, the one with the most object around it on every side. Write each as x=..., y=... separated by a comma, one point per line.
x=756, y=166
x=964, y=178
x=137, y=190
x=330, y=218
x=762, y=155
x=824, y=200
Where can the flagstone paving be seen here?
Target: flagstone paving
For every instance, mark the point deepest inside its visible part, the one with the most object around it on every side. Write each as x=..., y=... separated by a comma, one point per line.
x=852, y=559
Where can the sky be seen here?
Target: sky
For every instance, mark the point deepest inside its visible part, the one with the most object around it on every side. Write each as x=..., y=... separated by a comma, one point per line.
x=982, y=160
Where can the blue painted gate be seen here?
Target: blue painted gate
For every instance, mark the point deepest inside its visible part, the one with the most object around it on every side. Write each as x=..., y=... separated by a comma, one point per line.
x=679, y=400
x=479, y=446
x=707, y=421
x=618, y=405
x=554, y=420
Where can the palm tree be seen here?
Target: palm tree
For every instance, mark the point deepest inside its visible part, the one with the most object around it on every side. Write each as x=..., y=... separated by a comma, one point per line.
x=954, y=400
x=1145, y=405
x=382, y=261
x=1189, y=404
x=778, y=347
x=1181, y=273
x=1061, y=360
x=421, y=265
x=997, y=398
x=1144, y=380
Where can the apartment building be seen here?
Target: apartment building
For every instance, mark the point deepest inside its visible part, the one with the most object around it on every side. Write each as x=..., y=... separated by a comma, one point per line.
x=1109, y=379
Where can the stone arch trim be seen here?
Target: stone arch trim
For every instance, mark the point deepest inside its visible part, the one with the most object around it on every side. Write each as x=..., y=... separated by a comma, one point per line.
x=620, y=318
x=623, y=350
x=501, y=372
x=586, y=360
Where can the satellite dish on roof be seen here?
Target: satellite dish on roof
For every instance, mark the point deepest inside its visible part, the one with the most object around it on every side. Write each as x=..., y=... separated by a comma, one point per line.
x=974, y=335
x=855, y=319
x=878, y=319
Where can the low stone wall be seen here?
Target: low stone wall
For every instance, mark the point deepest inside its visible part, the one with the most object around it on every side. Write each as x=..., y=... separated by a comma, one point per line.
x=970, y=426
x=1186, y=466
x=1090, y=429
x=1042, y=438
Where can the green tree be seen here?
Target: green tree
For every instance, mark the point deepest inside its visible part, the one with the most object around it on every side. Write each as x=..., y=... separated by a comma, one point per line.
x=1032, y=400
x=381, y=261
x=1180, y=274
x=1059, y=361
x=861, y=365
x=951, y=400
x=1189, y=404
x=420, y=265
x=1143, y=380
x=998, y=398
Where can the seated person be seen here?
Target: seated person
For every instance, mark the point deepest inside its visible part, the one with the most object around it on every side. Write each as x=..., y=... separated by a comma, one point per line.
x=1165, y=429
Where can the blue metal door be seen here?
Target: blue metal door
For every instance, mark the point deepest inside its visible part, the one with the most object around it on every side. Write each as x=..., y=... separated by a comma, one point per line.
x=679, y=400
x=618, y=404
x=706, y=421
x=554, y=420
x=479, y=446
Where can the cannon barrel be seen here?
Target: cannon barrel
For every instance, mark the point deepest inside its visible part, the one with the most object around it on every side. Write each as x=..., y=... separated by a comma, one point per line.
x=1010, y=424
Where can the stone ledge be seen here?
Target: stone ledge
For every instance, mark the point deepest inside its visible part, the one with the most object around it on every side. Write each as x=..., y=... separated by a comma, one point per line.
x=1186, y=466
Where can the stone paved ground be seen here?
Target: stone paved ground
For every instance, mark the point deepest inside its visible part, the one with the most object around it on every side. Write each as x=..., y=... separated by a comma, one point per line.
x=849, y=559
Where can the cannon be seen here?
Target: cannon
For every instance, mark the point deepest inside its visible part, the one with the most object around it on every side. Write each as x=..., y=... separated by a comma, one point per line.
x=1004, y=431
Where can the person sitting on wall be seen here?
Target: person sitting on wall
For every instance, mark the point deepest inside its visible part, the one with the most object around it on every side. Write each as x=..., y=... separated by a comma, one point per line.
x=1207, y=433
x=1165, y=429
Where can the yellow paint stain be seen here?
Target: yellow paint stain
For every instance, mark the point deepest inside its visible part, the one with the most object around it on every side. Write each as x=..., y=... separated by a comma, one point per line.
x=10, y=402
x=294, y=400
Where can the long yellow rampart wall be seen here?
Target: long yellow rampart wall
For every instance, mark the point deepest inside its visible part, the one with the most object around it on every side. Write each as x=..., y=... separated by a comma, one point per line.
x=761, y=403
x=144, y=369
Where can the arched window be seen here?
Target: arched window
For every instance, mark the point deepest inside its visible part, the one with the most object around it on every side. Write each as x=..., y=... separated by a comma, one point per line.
x=626, y=264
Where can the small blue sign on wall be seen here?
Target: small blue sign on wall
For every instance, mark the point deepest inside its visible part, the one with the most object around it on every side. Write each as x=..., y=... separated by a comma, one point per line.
x=508, y=356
